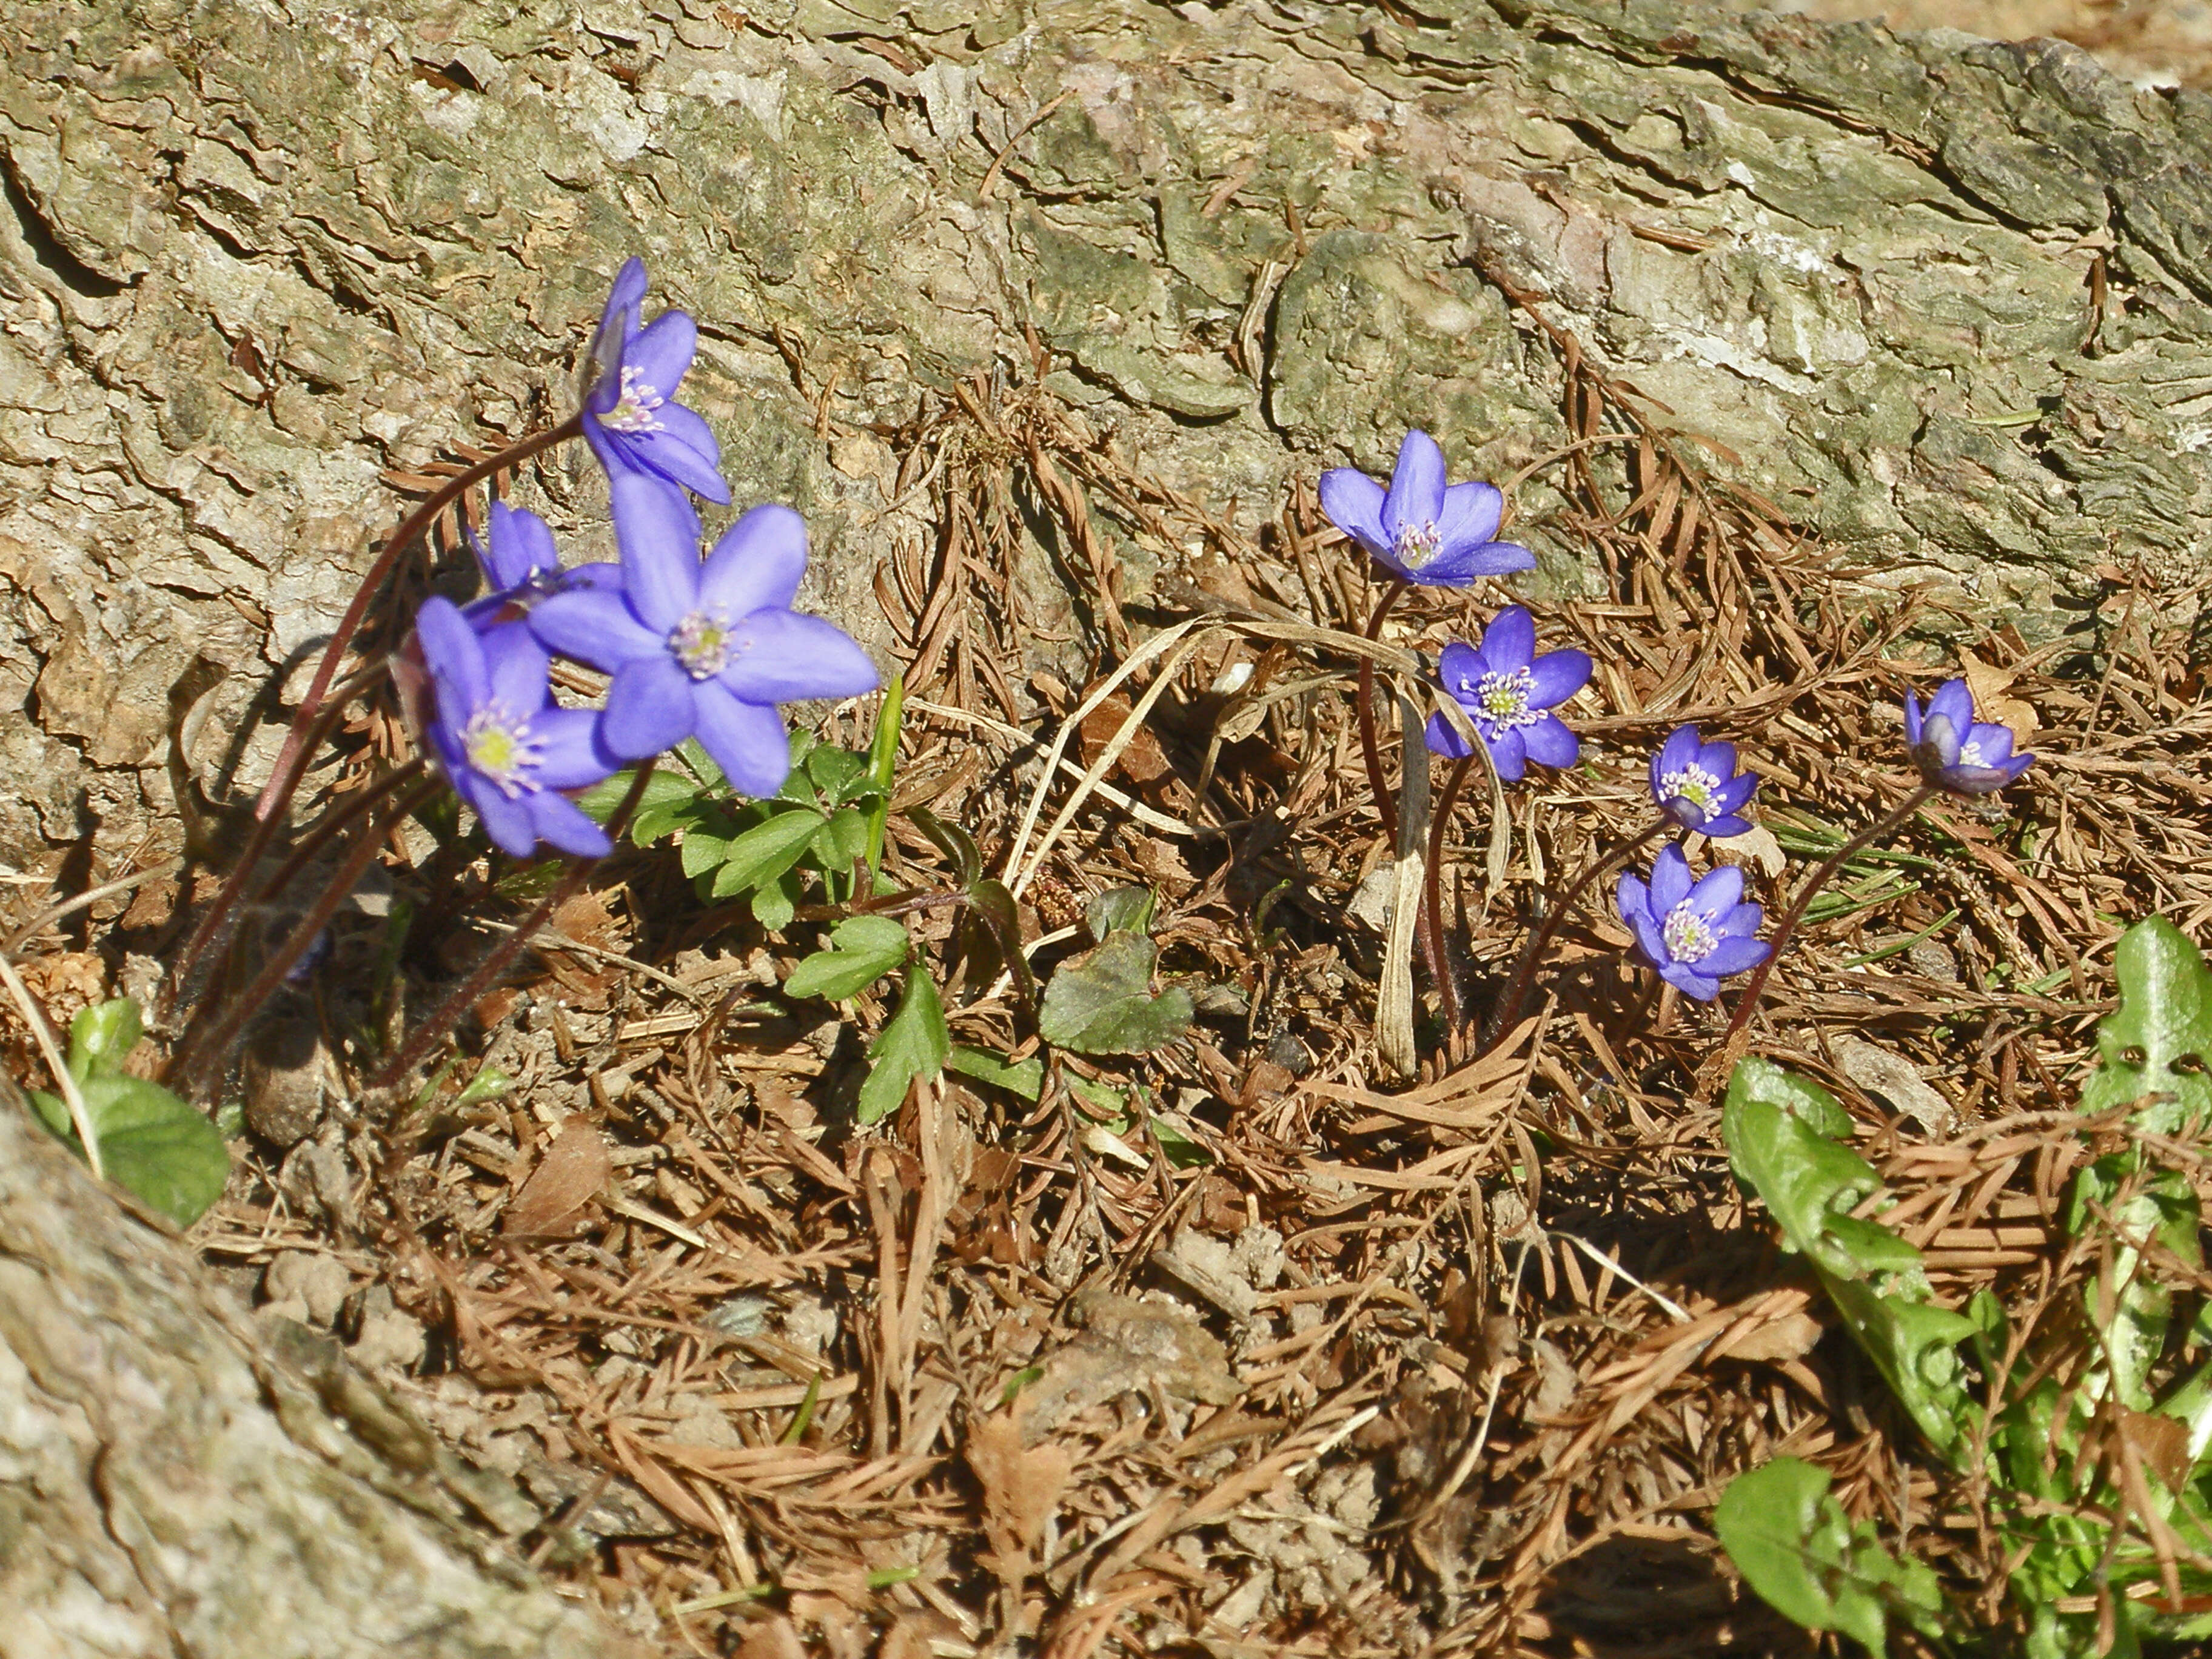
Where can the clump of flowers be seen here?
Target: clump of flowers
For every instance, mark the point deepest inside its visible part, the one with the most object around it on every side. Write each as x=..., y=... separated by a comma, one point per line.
x=696, y=649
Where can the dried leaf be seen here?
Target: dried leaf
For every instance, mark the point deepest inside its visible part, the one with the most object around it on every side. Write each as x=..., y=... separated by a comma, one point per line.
x=574, y=1169
x=1021, y=1487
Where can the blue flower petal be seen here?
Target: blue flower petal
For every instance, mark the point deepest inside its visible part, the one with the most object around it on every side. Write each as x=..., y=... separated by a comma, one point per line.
x=1735, y=955
x=1416, y=495
x=1444, y=738
x=1353, y=502
x=747, y=740
x=571, y=757
x=1549, y=743
x=517, y=666
x=1556, y=676
x=1670, y=880
x=454, y=653
x=1510, y=755
x=784, y=656
x=1469, y=517
x=1509, y=642
x=650, y=706
x=594, y=626
x=757, y=563
x=562, y=825
x=658, y=534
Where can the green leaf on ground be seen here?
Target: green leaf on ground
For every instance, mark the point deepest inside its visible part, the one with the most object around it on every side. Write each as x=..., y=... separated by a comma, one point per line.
x=862, y=950
x=2159, y=1041
x=151, y=1143
x=1794, y=1545
x=1102, y=1002
x=764, y=852
x=915, y=1044
x=1023, y=1078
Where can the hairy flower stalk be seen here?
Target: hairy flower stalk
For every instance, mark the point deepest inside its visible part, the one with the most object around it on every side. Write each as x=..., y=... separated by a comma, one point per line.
x=206, y=1039
x=1425, y=534
x=1696, y=786
x=1507, y=692
x=1953, y=754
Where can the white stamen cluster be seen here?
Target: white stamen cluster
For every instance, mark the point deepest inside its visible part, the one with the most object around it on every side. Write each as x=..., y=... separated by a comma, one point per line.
x=1690, y=937
x=1692, y=784
x=701, y=643
x=500, y=746
x=634, y=407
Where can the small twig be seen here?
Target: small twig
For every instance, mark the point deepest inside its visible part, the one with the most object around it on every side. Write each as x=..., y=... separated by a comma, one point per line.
x=991, y=173
x=64, y=1079
x=52, y=913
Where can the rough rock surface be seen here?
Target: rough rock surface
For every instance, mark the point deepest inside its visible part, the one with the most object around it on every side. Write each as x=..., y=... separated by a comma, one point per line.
x=261, y=252
x=175, y=1482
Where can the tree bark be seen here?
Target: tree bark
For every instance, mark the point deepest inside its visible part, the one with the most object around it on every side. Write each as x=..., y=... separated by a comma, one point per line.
x=260, y=252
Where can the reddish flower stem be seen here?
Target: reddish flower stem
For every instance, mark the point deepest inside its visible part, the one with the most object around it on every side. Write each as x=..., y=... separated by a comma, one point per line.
x=1757, y=983
x=1508, y=1006
x=471, y=991
x=309, y=719
x=1370, y=746
x=202, y=1046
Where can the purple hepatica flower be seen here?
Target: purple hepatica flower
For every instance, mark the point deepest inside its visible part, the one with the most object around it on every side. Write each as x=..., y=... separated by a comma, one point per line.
x=629, y=419
x=1508, y=691
x=1695, y=936
x=504, y=745
x=1419, y=530
x=1952, y=751
x=1696, y=784
x=705, y=650
x=520, y=568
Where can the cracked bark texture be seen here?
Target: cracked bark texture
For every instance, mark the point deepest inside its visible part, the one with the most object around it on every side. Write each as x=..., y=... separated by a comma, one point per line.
x=260, y=250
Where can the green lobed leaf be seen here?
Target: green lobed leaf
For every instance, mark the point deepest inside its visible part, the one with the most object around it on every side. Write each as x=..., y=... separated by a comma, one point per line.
x=764, y=852
x=1795, y=1547
x=1023, y=1078
x=915, y=1044
x=1809, y=1181
x=776, y=903
x=2159, y=1041
x=1101, y=1002
x=2129, y=1308
x=1915, y=1346
x=842, y=842
x=862, y=950
x=669, y=801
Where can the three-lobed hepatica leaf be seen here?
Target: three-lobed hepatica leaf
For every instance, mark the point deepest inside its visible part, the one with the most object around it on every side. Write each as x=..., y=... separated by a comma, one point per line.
x=2157, y=1046
x=1797, y=1548
x=915, y=1044
x=1778, y=1127
x=862, y=950
x=151, y=1143
x=1102, y=1002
